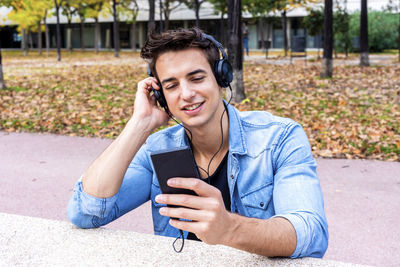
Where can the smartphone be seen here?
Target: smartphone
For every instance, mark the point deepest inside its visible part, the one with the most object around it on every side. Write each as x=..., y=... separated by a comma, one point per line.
x=177, y=162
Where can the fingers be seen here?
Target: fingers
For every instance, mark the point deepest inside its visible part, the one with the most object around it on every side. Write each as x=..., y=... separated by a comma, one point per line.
x=196, y=185
x=187, y=214
x=189, y=201
x=148, y=83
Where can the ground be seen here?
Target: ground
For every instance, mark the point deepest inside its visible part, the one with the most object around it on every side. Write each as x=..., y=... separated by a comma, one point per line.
x=353, y=115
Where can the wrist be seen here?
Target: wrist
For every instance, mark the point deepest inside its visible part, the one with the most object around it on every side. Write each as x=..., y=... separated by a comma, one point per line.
x=231, y=230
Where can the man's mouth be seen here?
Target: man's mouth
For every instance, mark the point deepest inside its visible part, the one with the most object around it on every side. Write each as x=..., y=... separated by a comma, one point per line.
x=193, y=107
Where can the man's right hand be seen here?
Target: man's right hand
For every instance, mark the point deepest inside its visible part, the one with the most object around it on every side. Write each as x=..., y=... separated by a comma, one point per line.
x=146, y=112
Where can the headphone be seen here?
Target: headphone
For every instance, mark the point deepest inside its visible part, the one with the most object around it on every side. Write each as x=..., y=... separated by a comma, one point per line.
x=222, y=70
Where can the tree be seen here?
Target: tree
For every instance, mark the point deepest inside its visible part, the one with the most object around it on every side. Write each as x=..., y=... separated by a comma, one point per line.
x=220, y=6
x=235, y=48
x=326, y=70
x=130, y=9
x=116, y=34
x=314, y=23
x=282, y=6
x=195, y=5
x=94, y=9
x=167, y=7
x=260, y=8
x=152, y=10
x=364, y=54
x=57, y=4
x=68, y=10
x=341, y=28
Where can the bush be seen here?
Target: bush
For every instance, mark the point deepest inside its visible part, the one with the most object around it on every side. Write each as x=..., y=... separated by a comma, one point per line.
x=382, y=30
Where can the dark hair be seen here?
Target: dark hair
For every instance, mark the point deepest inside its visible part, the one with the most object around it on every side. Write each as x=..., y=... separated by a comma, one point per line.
x=175, y=40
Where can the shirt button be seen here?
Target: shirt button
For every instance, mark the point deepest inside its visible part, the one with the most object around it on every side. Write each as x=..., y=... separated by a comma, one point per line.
x=232, y=176
x=261, y=204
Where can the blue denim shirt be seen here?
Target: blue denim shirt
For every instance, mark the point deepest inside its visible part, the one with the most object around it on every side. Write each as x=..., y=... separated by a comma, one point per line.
x=271, y=173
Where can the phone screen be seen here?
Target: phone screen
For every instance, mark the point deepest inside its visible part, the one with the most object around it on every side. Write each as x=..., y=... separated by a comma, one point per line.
x=178, y=162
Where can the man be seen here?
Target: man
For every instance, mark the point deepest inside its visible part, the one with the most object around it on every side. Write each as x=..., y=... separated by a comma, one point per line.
x=259, y=193
x=245, y=36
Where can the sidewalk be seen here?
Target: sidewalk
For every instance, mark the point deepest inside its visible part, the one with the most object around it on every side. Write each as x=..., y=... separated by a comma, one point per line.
x=362, y=198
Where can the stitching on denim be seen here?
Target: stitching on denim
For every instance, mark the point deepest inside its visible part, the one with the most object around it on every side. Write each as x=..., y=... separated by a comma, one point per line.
x=256, y=189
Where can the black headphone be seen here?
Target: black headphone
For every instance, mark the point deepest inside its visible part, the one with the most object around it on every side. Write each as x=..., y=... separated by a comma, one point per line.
x=222, y=70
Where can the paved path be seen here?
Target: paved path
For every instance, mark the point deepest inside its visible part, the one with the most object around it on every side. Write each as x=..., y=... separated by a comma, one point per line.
x=362, y=198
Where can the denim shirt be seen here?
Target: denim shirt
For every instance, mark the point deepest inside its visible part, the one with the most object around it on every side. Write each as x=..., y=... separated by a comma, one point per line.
x=271, y=173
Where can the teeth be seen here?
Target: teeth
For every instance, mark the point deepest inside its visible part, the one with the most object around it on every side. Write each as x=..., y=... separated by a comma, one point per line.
x=192, y=107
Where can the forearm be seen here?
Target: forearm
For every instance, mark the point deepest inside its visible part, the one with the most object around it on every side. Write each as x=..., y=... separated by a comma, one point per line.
x=272, y=237
x=104, y=176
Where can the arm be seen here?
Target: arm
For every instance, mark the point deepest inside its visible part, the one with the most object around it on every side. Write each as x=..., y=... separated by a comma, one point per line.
x=213, y=224
x=299, y=227
x=104, y=177
x=106, y=189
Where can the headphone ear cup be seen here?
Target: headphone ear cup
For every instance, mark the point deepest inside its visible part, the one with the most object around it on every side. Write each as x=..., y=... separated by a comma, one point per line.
x=159, y=95
x=223, y=72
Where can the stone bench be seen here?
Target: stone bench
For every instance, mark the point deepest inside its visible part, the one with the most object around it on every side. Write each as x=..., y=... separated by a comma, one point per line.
x=37, y=242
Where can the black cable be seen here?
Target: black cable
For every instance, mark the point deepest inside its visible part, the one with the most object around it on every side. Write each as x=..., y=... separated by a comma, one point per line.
x=209, y=164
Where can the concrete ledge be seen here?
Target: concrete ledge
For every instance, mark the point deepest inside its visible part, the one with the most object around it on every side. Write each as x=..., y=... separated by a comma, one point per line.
x=35, y=241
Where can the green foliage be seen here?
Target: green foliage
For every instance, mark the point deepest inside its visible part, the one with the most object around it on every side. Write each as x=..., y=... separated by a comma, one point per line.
x=382, y=29
x=341, y=26
x=314, y=22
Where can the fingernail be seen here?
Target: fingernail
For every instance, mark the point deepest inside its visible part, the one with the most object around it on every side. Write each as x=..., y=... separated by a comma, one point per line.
x=159, y=198
x=162, y=210
x=171, y=181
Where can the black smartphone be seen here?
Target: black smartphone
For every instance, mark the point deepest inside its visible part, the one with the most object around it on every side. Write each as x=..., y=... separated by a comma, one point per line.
x=178, y=162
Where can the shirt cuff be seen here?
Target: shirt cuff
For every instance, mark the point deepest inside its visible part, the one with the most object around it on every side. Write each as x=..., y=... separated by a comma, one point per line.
x=299, y=226
x=90, y=205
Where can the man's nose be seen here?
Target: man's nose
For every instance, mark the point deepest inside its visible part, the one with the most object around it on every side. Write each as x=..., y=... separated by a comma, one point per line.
x=187, y=91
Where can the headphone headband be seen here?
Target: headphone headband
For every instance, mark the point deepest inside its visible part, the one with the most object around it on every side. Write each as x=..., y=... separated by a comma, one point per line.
x=218, y=44
x=222, y=70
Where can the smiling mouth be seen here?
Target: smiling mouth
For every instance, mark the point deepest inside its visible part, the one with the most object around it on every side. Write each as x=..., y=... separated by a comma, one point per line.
x=193, y=107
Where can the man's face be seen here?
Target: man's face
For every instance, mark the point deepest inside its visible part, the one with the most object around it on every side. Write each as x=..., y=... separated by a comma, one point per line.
x=189, y=86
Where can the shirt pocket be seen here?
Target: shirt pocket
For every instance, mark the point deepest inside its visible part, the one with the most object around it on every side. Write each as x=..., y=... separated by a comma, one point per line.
x=159, y=221
x=257, y=202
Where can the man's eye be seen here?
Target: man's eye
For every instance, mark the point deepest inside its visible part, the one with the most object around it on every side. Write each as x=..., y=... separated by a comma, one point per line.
x=170, y=86
x=198, y=79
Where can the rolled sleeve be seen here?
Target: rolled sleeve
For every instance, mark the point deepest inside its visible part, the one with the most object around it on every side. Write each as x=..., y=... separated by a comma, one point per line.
x=85, y=210
x=297, y=193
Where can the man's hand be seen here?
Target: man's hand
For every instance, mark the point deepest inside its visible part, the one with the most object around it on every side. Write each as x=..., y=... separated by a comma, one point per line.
x=211, y=222
x=145, y=109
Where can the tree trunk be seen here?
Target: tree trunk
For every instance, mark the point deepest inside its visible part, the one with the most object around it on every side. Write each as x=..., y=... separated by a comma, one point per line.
x=40, y=37
x=222, y=30
x=161, y=20
x=96, y=35
x=46, y=29
x=30, y=39
x=58, y=31
x=235, y=49
x=152, y=10
x=81, y=30
x=326, y=71
x=364, y=55
x=116, y=35
x=133, y=37
x=284, y=29
x=2, y=83
x=197, y=11
x=24, y=42
x=69, y=36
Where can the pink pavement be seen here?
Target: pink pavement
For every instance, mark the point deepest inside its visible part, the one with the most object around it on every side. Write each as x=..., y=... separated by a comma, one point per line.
x=362, y=197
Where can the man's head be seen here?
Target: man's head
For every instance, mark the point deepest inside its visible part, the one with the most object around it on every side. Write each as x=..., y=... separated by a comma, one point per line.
x=184, y=62
x=176, y=40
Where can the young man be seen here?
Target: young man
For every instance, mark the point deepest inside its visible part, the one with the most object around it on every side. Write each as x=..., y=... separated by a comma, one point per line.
x=259, y=191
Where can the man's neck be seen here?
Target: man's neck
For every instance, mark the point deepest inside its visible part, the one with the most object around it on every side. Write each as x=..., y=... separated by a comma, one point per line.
x=207, y=140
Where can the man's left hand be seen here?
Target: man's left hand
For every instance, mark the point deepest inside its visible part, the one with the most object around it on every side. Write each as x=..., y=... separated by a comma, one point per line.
x=210, y=221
